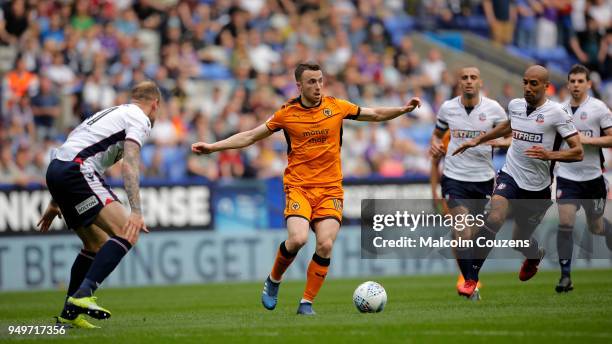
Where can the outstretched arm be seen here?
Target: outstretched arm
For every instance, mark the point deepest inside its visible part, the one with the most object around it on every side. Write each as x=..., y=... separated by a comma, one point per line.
x=381, y=114
x=501, y=130
x=240, y=140
x=602, y=141
x=131, y=182
x=574, y=153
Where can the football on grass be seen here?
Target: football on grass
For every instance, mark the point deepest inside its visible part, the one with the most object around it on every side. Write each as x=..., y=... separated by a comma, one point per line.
x=370, y=297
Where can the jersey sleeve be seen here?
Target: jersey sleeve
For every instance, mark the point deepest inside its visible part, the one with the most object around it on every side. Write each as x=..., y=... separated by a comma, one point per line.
x=500, y=115
x=441, y=119
x=138, y=128
x=275, y=122
x=565, y=124
x=349, y=110
x=605, y=121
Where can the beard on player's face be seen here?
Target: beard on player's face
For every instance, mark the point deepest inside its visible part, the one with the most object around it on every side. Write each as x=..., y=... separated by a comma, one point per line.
x=533, y=97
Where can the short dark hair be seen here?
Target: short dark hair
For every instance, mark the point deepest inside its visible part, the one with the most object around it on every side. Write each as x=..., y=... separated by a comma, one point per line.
x=146, y=90
x=299, y=70
x=579, y=69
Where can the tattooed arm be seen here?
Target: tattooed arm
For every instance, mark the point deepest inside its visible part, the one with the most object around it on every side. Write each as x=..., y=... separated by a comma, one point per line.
x=131, y=182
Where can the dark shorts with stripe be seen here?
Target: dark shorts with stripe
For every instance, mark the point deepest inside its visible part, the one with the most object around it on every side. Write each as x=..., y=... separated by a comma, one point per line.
x=528, y=206
x=472, y=195
x=80, y=192
x=590, y=194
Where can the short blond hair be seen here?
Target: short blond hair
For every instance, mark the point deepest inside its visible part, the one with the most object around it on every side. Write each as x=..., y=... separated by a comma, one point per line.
x=146, y=91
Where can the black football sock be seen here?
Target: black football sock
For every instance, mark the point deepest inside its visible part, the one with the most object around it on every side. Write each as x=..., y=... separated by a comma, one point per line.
x=532, y=251
x=487, y=232
x=81, y=265
x=565, y=245
x=464, y=261
x=106, y=261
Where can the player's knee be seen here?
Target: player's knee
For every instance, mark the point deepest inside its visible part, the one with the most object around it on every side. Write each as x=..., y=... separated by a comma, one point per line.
x=324, y=247
x=297, y=241
x=596, y=228
x=494, y=221
x=94, y=245
x=464, y=234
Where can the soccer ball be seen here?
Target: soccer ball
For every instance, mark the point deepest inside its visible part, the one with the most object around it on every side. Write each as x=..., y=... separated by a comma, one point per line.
x=370, y=297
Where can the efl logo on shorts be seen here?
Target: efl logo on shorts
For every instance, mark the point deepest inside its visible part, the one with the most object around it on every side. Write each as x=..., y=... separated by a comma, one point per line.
x=501, y=186
x=86, y=204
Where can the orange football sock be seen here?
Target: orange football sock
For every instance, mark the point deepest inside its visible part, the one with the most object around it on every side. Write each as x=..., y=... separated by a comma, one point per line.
x=282, y=261
x=315, y=276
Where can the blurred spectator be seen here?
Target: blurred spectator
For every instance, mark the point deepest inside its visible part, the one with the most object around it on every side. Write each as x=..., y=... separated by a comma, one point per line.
x=18, y=82
x=61, y=74
x=20, y=121
x=23, y=171
x=601, y=12
x=507, y=95
x=433, y=67
x=546, y=36
x=501, y=16
x=98, y=93
x=526, y=24
x=231, y=164
x=46, y=109
x=586, y=45
x=81, y=19
x=13, y=21
x=605, y=55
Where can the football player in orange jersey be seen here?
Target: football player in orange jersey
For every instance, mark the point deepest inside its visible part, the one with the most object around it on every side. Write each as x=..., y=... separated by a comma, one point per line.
x=312, y=124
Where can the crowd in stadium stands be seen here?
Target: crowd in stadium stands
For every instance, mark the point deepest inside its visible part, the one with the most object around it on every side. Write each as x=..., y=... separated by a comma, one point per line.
x=226, y=66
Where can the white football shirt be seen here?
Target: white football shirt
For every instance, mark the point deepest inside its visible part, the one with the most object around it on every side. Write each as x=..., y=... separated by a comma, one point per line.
x=546, y=126
x=98, y=141
x=591, y=118
x=475, y=164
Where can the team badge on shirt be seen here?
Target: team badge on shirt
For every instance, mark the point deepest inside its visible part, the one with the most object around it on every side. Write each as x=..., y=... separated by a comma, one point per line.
x=583, y=115
x=482, y=117
x=540, y=118
x=327, y=112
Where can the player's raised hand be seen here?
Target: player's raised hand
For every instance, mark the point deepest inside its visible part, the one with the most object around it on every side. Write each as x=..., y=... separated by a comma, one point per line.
x=201, y=148
x=412, y=104
x=464, y=146
x=537, y=152
x=47, y=218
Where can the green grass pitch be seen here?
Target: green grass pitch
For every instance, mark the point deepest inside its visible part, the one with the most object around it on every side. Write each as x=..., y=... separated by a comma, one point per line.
x=421, y=309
